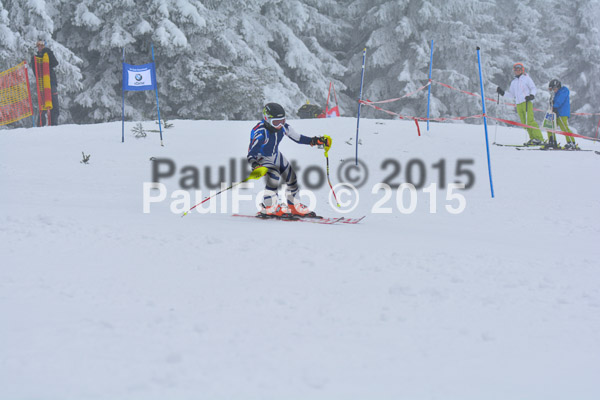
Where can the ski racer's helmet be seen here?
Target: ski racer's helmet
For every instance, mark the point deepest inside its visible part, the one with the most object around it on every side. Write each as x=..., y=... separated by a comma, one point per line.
x=554, y=84
x=274, y=115
x=519, y=65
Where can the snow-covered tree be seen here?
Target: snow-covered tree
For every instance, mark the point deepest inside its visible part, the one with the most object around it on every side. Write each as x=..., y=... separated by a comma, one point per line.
x=223, y=59
x=581, y=54
x=214, y=60
x=8, y=41
x=399, y=42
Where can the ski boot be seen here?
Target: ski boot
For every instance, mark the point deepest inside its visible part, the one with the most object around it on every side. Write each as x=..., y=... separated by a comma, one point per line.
x=551, y=144
x=533, y=142
x=302, y=211
x=275, y=211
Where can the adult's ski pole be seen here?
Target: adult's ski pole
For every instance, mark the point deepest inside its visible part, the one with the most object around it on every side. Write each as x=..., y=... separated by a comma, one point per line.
x=496, y=129
x=256, y=174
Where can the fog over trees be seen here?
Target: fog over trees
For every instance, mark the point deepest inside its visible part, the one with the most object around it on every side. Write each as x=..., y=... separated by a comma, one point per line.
x=223, y=59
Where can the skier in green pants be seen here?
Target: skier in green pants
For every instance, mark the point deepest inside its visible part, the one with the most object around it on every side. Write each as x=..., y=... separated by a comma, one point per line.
x=561, y=106
x=523, y=90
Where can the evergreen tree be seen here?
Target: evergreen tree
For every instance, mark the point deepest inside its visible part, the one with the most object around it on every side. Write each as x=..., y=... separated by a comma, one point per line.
x=223, y=59
x=213, y=61
x=9, y=41
x=399, y=48
x=35, y=20
x=582, y=55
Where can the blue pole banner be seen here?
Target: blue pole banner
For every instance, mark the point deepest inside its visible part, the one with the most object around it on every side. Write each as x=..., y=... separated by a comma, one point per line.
x=138, y=77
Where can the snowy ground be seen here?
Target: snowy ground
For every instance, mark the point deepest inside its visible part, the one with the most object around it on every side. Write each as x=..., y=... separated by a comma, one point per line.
x=100, y=300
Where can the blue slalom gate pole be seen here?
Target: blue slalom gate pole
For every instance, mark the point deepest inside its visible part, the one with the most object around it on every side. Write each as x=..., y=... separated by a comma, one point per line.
x=123, y=103
x=429, y=89
x=487, y=145
x=156, y=91
x=362, y=77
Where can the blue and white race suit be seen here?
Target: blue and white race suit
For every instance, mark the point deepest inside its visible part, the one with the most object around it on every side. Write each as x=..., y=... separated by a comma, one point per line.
x=264, y=151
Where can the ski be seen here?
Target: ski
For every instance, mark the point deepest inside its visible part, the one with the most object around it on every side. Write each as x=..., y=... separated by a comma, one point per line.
x=313, y=220
x=326, y=221
x=570, y=150
x=352, y=220
x=331, y=220
x=515, y=145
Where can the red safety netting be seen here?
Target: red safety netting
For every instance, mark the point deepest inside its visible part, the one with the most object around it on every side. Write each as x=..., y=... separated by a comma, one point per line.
x=416, y=119
x=15, y=96
x=508, y=104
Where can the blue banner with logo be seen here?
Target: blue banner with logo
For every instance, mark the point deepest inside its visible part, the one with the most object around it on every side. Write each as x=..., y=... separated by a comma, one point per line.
x=139, y=77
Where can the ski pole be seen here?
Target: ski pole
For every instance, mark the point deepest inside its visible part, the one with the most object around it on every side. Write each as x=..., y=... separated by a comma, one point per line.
x=327, y=147
x=256, y=174
x=496, y=129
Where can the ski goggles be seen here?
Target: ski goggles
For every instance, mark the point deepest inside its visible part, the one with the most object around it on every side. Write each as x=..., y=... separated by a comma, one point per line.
x=275, y=122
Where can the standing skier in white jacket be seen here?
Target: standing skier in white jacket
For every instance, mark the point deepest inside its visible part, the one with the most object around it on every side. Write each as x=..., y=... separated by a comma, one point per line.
x=523, y=90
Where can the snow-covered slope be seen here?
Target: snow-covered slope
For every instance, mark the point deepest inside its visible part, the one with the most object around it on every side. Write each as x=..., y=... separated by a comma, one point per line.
x=101, y=300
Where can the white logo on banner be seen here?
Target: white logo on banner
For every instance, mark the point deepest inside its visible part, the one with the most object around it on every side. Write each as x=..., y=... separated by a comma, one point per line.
x=140, y=78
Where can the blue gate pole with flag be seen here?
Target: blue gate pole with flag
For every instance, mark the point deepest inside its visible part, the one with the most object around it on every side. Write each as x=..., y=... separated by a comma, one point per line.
x=138, y=78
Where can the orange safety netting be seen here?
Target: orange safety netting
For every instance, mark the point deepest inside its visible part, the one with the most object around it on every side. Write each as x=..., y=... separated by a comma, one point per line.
x=15, y=96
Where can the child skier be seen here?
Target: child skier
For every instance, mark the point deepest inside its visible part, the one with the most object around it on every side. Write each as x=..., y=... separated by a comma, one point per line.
x=264, y=152
x=523, y=90
x=561, y=106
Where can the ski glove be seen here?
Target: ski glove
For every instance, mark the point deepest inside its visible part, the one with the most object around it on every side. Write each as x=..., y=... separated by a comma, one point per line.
x=258, y=172
x=529, y=98
x=555, y=111
x=320, y=141
x=500, y=91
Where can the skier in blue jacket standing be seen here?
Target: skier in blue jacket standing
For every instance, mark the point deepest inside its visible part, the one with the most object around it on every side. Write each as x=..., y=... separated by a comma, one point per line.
x=264, y=152
x=561, y=106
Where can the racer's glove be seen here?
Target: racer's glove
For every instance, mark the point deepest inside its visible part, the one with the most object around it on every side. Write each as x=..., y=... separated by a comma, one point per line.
x=258, y=172
x=320, y=141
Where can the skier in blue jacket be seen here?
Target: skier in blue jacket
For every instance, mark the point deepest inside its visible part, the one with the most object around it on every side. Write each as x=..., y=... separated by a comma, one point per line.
x=561, y=106
x=264, y=152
